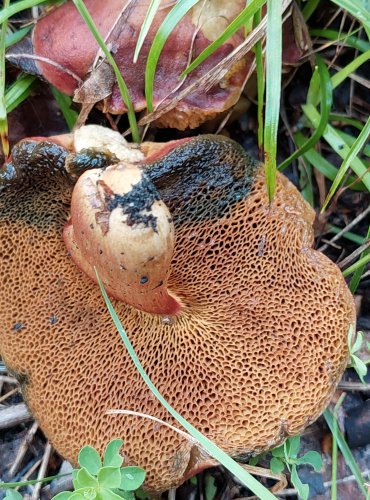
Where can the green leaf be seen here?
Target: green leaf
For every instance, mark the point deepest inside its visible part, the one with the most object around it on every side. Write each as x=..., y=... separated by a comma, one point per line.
x=64, y=495
x=337, y=143
x=85, y=480
x=216, y=452
x=80, y=495
x=111, y=455
x=65, y=103
x=357, y=265
x=170, y=22
x=303, y=489
x=357, y=9
x=357, y=275
x=310, y=458
x=245, y=15
x=210, y=488
x=326, y=99
x=273, y=90
x=109, y=477
x=19, y=91
x=346, y=452
x=107, y=494
x=292, y=446
x=360, y=367
x=16, y=36
x=345, y=38
x=16, y=7
x=132, y=478
x=278, y=452
x=90, y=459
x=13, y=495
x=358, y=342
x=149, y=16
x=351, y=156
x=276, y=465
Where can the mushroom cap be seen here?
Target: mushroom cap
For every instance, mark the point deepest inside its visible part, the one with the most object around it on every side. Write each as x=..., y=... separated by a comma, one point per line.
x=254, y=356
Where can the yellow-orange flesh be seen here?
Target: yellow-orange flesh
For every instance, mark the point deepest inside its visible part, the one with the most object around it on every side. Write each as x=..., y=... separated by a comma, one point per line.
x=253, y=357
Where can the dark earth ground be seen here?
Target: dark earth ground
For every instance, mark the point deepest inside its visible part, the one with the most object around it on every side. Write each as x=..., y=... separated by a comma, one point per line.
x=39, y=115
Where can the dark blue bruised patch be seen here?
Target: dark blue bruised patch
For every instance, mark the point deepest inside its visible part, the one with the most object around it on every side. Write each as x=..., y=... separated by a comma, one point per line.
x=203, y=178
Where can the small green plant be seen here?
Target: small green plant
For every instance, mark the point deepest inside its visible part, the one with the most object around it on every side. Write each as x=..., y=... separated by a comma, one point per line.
x=353, y=347
x=286, y=455
x=13, y=495
x=107, y=480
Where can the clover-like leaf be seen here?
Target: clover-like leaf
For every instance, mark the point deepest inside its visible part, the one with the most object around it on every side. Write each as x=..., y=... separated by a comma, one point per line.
x=13, y=495
x=132, y=478
x=276, y=465
x=109, y=477
x=90, y=459
x=310, y=458
x=292, y=446
x=303, y=489
x=112, y=458
x=278, y=452
x=85, y=479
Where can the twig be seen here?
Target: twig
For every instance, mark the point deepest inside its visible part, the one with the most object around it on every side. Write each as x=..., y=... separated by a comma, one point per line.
x=23, y=448
x=8, y=380
x=172, y=494
x=8, y=394
x=42, y=472
x=30, y=471
x=355, y=221
x=14, y=415
x=353, y=255
x=354, y=386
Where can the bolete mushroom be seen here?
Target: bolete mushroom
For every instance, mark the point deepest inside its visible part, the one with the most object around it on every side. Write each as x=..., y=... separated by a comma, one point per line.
x=256, y=340
x=62, y=50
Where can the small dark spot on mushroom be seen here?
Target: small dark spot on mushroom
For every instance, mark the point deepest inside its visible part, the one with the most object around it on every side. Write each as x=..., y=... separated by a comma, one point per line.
x=17, y=327
x=143, y=280
x=53, y=319
x=122, y=267
x=159, y=284
x=91, y=226
x=100, y=251
x=150, y=259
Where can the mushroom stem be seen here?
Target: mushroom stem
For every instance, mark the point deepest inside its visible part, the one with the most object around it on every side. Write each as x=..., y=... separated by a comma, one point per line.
x=120, y=226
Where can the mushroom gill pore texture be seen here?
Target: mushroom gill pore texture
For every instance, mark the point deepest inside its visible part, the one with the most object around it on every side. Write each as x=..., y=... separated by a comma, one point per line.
x=252, y=356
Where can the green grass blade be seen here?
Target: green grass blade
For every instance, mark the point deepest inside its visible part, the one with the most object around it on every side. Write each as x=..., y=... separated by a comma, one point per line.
x=258, y=50
x=357, y=275
x=64, y=103
x=16, y=7
x=81, y=7
x=324, y=166
x=16, y=36
x=206, y=443
x=337, y=143
x=273, y=90
x=359, y=240
x=149, y=16
x=170, y=22
x=19, y=91
x=19, y=484
x=346, y=452
x=310, y=8
x=358, y=10
x=349, y=140
x=345, y=72
x=3, y=113
x=345, y=38
x=326, y=100
x=334, y=460
x=245, y=15
x=357, y=265
x=349, y=160
x=335, y=117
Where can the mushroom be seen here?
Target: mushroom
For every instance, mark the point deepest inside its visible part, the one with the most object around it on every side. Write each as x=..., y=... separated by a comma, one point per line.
x=62, y=50
x=247, y=341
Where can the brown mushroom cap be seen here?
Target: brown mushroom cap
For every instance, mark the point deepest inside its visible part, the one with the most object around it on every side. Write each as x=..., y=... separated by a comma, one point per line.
x=253, y=357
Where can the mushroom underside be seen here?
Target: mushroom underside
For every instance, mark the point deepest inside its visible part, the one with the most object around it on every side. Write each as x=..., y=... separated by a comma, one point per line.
x=253, y=357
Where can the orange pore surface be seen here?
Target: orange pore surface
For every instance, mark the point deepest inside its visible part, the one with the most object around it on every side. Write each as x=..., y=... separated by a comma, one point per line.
x=254, y=356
